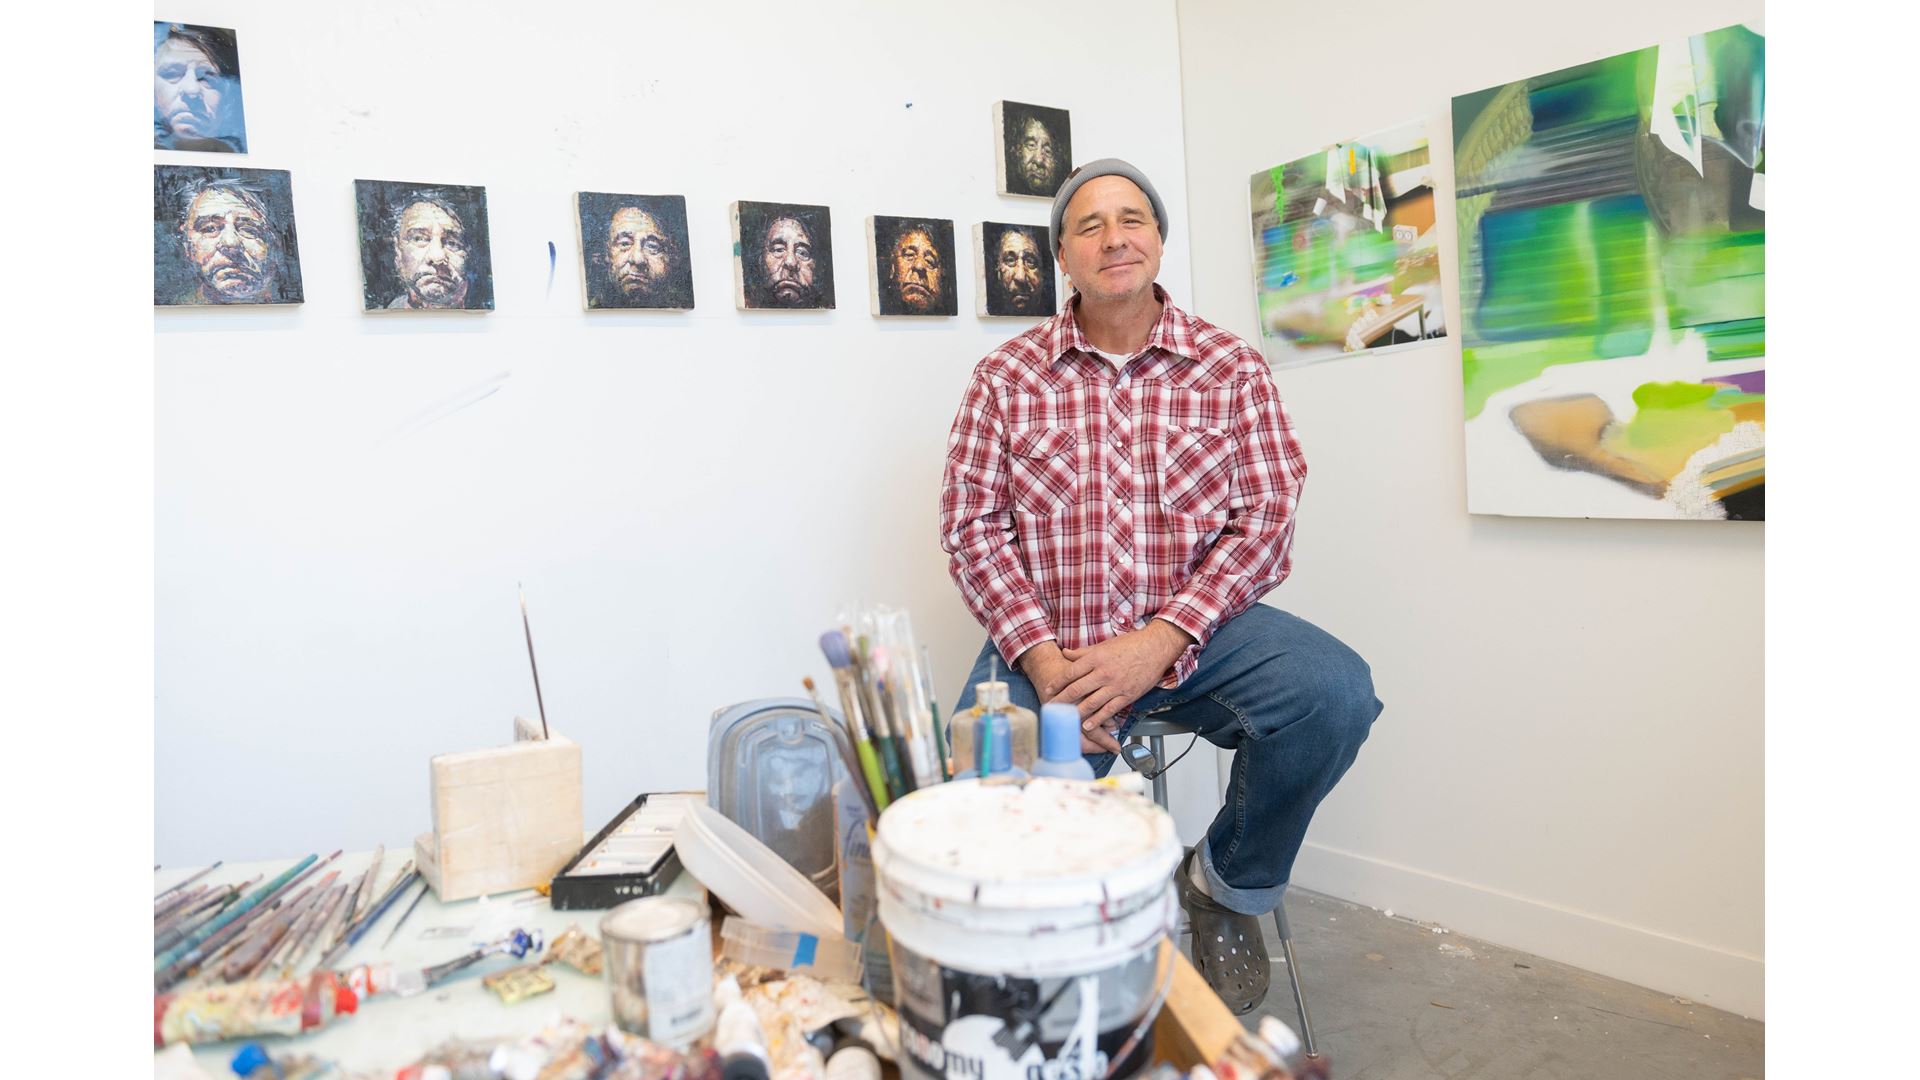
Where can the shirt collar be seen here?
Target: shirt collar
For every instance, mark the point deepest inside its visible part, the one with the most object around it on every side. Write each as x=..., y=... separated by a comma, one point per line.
x=1173, y=332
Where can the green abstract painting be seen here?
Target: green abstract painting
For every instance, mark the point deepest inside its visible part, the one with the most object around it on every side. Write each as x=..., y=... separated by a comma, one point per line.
x=1345, y=255
x=1612, y=240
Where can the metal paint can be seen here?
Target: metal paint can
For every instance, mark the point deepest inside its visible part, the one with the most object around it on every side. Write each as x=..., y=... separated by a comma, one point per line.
x=659, y=958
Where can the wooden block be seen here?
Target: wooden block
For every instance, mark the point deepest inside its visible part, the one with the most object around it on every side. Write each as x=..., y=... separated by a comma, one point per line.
x=504, y=818
x=1194, y=1027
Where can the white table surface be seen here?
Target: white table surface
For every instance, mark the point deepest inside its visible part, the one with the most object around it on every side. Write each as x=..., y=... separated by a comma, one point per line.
x=390, y=1032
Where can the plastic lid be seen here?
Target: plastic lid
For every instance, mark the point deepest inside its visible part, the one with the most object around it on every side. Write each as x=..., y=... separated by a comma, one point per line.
x=1002, y=748
x=1059, y=731
x=250, y=1057
x=750, y=876
x=990, y=694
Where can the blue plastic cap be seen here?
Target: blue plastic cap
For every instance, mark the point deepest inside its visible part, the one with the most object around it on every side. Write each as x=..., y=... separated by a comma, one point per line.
x=1059, y=731
x=1002, y=744
x=251, y=1056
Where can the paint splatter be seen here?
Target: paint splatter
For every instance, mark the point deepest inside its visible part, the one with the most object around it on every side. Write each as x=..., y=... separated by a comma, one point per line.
x=553, y=263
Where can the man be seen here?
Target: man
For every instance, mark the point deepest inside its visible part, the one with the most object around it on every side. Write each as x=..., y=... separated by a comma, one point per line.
x=787, y=264
x=1022, y=279
x=234, y=247
x=638, y=250
x=1033, y=154
x=196, y=89
x=430, y=252
x=917, y=272
x=1119, y=493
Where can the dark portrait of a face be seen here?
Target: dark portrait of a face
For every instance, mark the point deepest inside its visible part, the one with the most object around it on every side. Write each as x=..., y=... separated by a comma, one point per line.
x=913, y=266
x=423, y=247
x=196, y=90
x=634, y=251
x=1016, y=270
x=224, y=236
x=1036, y=148
x=783, y=255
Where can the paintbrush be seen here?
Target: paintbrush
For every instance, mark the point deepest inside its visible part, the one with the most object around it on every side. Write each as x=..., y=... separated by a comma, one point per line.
x=198, y=937
x=531, y=662
x=892, y=691
x=260, y=945
x=940, y=746
x=301, y=927
x=178, y=927
x=174, y=964
x=187, y=881
x=359, y=929
x=330, y=909
x=856, y=766
x=833, y=643
x=395, y=932
x=363, y=894
x=892, y=742
x=181, y=899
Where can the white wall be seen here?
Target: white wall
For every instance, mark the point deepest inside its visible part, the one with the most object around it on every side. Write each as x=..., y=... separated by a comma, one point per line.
x=1570, y=760
x=688, y=498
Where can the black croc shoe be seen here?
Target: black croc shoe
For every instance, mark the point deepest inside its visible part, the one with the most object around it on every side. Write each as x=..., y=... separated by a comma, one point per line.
x=1227, y=946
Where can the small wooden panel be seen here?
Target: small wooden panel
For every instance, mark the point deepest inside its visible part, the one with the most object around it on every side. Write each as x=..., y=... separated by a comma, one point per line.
x=504, y=818
x=1194, y=1027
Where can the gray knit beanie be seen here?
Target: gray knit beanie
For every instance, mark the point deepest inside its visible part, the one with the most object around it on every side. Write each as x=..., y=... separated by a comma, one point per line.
x=1105, y=167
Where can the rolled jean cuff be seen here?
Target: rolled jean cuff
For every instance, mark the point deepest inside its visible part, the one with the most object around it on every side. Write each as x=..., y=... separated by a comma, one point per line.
x=1244, y=901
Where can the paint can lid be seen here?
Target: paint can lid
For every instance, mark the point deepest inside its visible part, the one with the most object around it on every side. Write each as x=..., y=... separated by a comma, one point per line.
x=652, y=918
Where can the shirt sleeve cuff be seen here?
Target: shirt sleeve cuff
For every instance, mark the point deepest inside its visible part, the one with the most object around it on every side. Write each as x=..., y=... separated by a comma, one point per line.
x=1196, y=619
x=1015, y=638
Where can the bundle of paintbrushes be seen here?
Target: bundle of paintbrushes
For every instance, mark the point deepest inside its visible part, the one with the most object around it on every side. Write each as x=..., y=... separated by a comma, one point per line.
x=887, y=704
x=247, y=932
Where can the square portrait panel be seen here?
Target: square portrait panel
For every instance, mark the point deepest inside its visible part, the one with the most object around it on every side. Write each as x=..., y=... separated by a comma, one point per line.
x=634, y=251
x=1016, y=271
x=782, y=256
x=1036, y=148
x=423, y=247
x=912, y=266
x=196, y=89
x=224, y=236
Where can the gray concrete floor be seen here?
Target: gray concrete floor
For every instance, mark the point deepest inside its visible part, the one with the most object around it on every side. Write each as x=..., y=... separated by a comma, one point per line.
x=1393, y=1000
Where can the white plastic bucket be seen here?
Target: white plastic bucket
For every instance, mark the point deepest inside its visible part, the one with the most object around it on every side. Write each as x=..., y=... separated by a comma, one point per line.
x=1026, y=919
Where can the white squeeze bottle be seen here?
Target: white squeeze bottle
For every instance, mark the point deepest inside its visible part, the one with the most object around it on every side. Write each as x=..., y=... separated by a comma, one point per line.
x=1060, y=744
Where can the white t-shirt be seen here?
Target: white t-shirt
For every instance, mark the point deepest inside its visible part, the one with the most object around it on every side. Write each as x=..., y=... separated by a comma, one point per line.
x=1115, y=359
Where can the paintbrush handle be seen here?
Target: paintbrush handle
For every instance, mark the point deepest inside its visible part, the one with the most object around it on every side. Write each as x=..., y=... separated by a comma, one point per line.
x=876, y=778
x=166, y=959
x=890, y=762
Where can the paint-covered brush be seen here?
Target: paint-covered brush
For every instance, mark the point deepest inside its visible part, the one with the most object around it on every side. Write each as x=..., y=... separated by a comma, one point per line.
x=833, y=645
x=863, y=771
x=848, y=667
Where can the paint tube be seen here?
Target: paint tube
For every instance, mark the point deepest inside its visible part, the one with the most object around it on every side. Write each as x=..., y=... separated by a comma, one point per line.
x=265, y=1006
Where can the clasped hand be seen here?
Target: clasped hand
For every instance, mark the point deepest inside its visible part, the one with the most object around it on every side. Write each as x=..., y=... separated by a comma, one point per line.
x=1104, y=679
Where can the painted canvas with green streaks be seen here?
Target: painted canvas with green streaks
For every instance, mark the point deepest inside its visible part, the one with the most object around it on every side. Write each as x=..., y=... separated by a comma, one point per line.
x=1612, y=241
x=1345, y=255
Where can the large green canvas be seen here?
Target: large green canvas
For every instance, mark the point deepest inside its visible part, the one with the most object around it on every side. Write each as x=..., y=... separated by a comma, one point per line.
x=1612, y=242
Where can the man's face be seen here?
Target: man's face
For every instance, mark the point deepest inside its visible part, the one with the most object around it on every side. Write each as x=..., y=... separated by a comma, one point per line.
x=187, y=87
x=919, y=275
x=788, y=261
x=1109, y=241
x=1034, y=154
x=637, y=252
x=430, y=253
x=229, y=245
x=1017, y=265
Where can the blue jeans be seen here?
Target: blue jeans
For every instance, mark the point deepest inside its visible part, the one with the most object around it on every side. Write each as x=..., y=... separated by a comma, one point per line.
x=1291, y=700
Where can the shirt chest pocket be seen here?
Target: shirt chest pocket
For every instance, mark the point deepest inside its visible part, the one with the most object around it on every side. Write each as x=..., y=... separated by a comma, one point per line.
x=1198, y=471
x=1044, y=470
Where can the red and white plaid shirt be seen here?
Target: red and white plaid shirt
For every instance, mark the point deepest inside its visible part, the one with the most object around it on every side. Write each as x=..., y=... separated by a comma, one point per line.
x=1080, y=501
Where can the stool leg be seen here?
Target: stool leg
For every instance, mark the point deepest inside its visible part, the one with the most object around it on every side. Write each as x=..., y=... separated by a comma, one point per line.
x=1157, y=744
x=1293, y=975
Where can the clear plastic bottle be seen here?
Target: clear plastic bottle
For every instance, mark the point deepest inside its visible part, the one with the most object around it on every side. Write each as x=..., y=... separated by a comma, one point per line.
x=991, y=697
x=1060, y=744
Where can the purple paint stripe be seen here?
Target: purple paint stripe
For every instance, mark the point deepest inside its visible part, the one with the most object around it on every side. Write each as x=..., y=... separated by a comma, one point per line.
x=1751, y=382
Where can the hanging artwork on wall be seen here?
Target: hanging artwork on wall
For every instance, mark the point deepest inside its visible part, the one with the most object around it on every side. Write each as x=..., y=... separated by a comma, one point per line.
x=1345, y=256
x=224, y=236
x=423, y=247
x=1612, y=224
x=1016, y=271
x=196, y=89
x=634, y=251
x=913, y=262
x=1036, y=148
x=782, y=256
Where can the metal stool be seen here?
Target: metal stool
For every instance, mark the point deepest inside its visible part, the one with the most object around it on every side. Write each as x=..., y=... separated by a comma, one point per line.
x=1153, y=732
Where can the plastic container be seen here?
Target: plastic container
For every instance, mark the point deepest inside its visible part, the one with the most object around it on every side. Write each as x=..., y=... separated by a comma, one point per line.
x=771, y=767
x=859, y=914
x=1027, y=922
x=1060, y=744
x=749, y=877
x=825, y=958
x=659, y=958
x=991, y=697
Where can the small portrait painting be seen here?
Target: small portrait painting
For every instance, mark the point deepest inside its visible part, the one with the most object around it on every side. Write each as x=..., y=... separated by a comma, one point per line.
x=1036, y=148
x=913, y=266
x=223, y=236
x=634, y=251
x=1016, y=270
x=782, y=256
x=423, y=247
x=196, y=90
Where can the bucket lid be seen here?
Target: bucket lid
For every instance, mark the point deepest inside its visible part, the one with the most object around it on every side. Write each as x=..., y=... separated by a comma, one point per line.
x=1038, y=843
x=652, y=918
